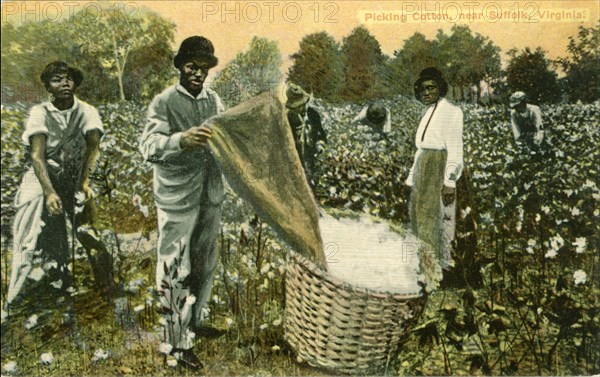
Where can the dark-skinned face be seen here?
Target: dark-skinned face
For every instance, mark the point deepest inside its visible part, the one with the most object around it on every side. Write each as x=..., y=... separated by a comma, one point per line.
x=193, y=75
x=521, y=107
x=61, y=86
x=430, y=92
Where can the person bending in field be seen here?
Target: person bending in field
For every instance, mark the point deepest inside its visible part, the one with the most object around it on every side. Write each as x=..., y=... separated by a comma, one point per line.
x=307, y=129
x=376, y=116
x=437, y=166
x=188, y=192
x=526, y=121
x=62, y=137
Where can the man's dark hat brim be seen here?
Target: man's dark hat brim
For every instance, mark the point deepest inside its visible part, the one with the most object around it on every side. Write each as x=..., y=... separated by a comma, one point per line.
x=197, y=49
x=181, y=59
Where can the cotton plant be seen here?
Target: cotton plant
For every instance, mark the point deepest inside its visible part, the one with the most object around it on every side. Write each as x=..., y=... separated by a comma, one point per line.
x=175, y=298
x=10, y=368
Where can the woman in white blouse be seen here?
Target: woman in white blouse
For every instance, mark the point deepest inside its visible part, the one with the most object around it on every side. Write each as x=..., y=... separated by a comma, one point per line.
x=437, y=166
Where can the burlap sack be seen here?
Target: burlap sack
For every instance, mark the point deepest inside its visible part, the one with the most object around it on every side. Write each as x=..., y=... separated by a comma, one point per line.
x=255, y=146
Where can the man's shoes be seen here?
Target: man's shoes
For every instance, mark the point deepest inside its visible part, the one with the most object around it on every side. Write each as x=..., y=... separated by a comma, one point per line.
x=187, y=359
x=209, y=332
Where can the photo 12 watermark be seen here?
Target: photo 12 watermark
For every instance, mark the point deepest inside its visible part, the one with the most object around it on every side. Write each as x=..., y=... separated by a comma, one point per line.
x=270, y=11
x=57, y=11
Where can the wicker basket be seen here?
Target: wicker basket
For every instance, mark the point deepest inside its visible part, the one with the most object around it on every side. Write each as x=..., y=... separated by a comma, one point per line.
x=331, y=324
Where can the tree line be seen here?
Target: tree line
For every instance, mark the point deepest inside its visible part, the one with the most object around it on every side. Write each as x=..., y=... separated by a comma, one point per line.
x=123, y=57
x=129, y=57
x=356, y=69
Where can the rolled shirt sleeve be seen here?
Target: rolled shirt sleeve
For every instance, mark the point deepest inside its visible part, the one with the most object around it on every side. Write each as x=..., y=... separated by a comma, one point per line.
x=387, y=127
x=93, y=121
x=36, y=124
x=361, y=116
x=537, y=115
x=513, y=124
x=410, y=180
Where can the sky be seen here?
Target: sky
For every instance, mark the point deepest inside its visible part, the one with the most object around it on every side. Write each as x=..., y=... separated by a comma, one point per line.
x=288, y=21
x=230, y=25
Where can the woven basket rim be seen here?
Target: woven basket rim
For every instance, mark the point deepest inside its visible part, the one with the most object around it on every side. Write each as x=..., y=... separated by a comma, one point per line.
x=311, y=267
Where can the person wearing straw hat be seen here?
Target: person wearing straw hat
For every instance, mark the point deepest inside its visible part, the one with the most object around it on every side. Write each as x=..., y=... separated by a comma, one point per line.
x=437, y=166
x=526, y=120
x=188, y=193
x=375, y=116
x=62, y=137
x=305, y=122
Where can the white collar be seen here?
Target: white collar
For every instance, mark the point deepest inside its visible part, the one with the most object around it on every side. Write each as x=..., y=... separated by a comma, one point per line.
x=202, y=94
x=50, y=106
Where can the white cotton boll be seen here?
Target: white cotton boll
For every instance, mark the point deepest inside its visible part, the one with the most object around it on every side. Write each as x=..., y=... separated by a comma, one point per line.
x=31, y=322
x=37, y=274
x=265, y=268
x=57, y=284
x=138, y=308
x=190, y=300
x=581, y=244
x=10, y=367
x=47, y=358
x=172, y=362
x=100, y=354
x=49, y=265
x=80, y=197
x=579, y=277
x=205, y=312
x=165, y=348
x=136, y=200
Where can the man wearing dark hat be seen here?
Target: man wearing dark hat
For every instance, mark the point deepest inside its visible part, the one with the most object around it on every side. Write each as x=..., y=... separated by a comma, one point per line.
x=526, y=120
x=62, y=136
x=375, y=116
x=437, y=166
x=188, y=190
x=307, y=129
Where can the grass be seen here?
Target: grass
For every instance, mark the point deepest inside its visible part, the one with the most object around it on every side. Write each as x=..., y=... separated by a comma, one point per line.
x=125, y=327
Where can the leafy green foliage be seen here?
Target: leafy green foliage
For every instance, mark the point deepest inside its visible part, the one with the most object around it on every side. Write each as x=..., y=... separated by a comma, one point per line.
x=251, y=72
x=364, y=66
x=531, y=72
x=14, y=160
x=416, y=53
x=123, y=55
x=318, y=66
x=483, y=61
x=582, y=68
x=363, y=171
x=537, y=226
